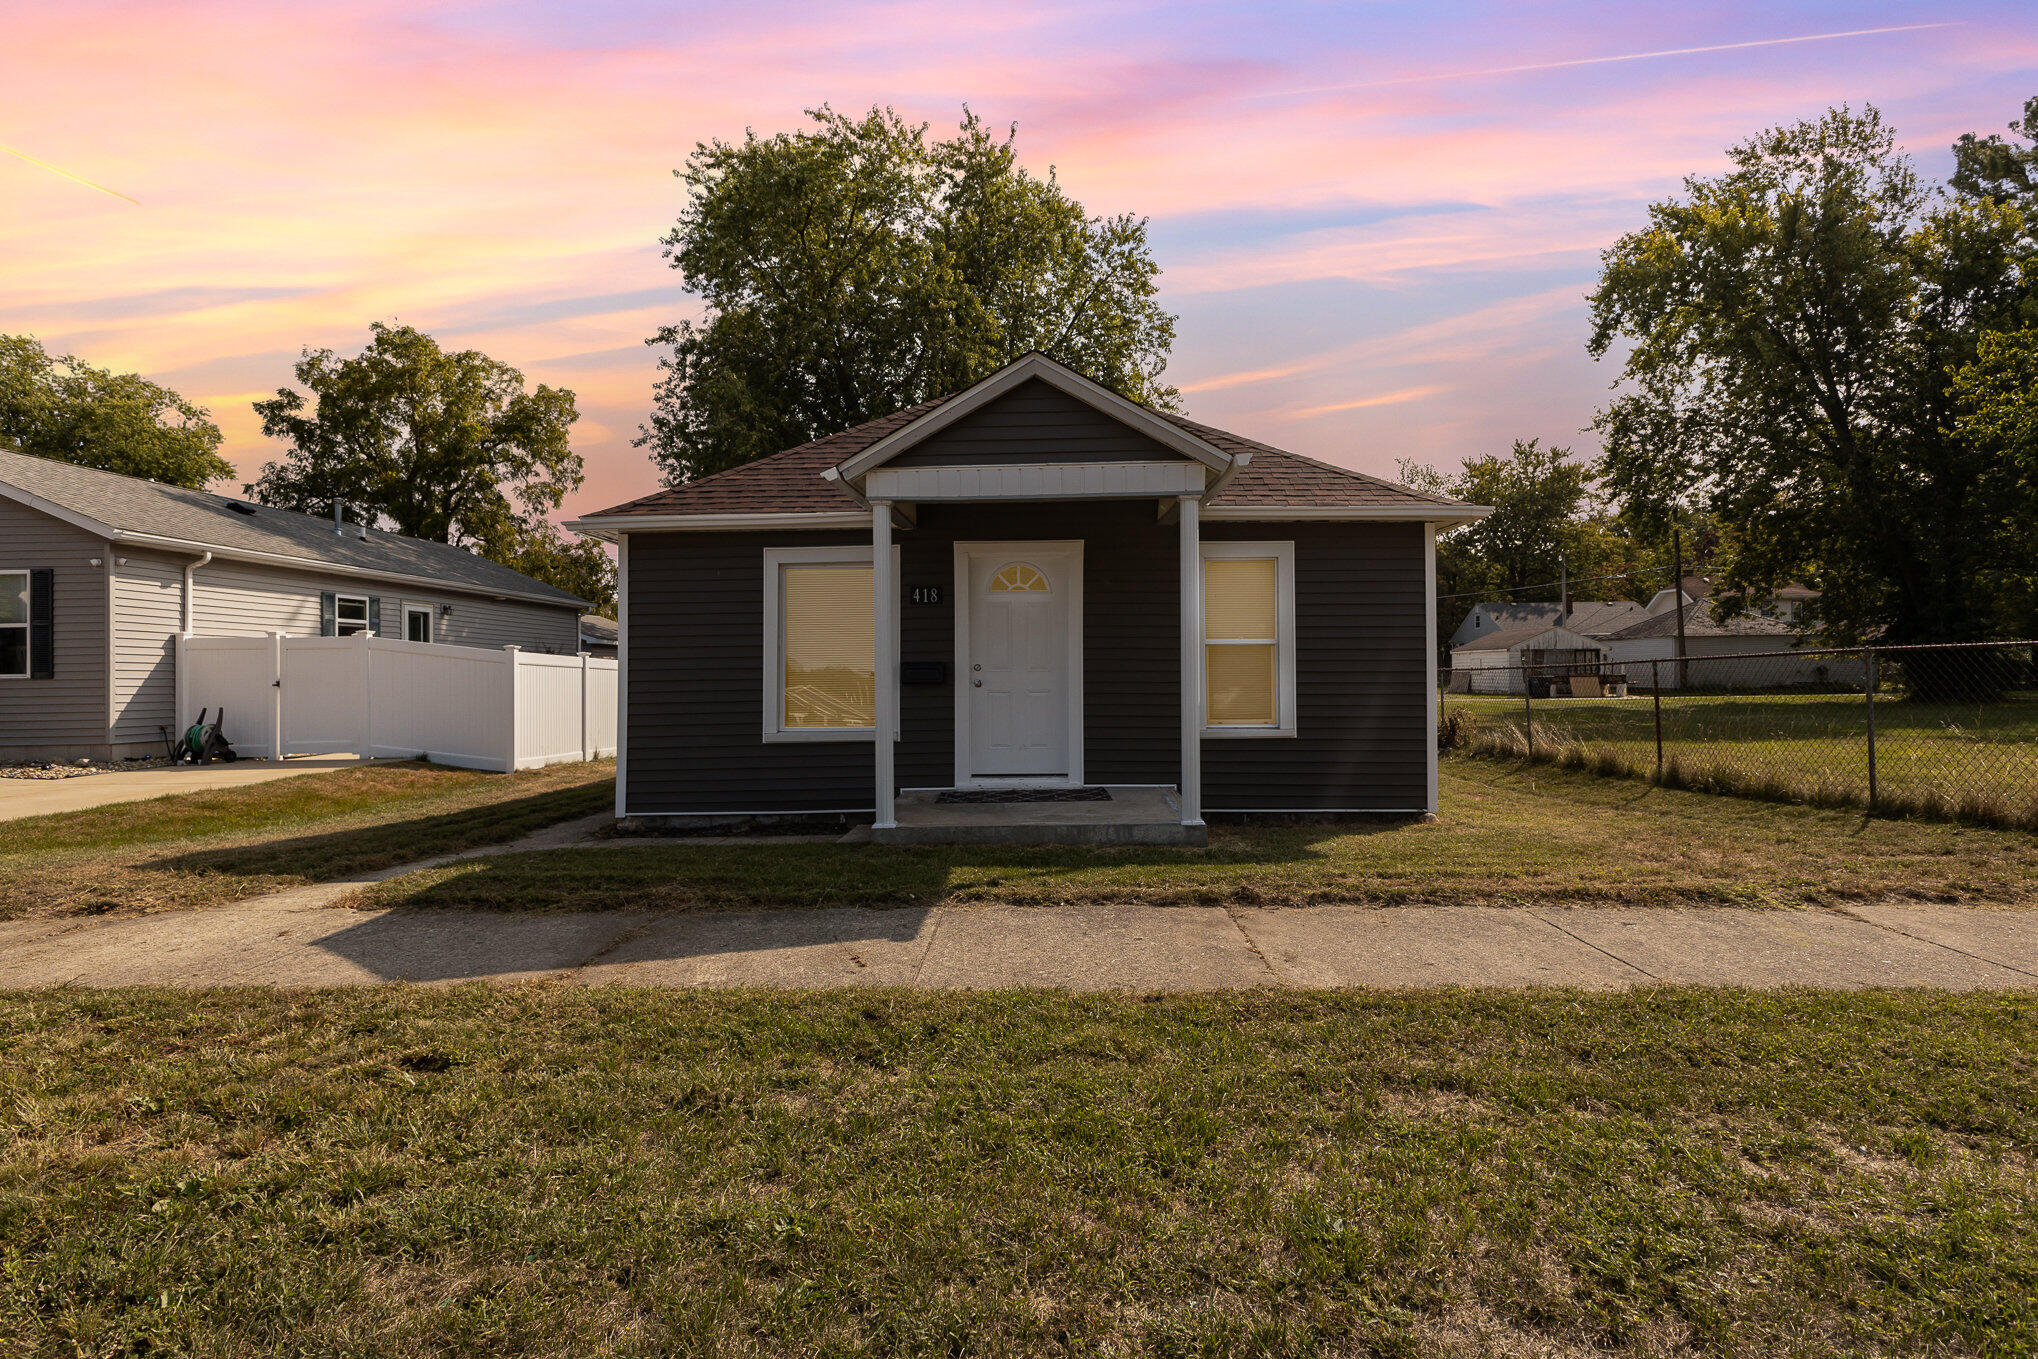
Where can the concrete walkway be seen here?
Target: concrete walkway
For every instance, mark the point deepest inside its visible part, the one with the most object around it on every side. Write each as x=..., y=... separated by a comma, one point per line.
x=300, y=939
x=39, y=797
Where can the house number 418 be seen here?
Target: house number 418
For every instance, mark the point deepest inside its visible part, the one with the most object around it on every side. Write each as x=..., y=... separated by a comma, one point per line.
x=926, y=594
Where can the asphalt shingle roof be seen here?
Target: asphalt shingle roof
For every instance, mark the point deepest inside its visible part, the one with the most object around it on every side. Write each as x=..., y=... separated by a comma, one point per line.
x=135, y=505
x=790, y=482
x=1698, y=622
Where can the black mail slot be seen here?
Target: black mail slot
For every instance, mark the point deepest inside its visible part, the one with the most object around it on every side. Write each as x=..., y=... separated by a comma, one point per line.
x=923, y=672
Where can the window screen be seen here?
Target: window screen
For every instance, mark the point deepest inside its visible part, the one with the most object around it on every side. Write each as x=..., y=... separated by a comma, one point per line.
x=827, y=646
x=1241, y=634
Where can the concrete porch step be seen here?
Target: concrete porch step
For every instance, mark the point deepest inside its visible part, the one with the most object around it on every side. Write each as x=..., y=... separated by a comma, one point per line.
x=1131, y=816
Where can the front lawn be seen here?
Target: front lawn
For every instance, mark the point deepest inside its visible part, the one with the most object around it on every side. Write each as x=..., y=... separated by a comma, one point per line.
x=1510, y=834
x=209, y=848
x=566, y=1171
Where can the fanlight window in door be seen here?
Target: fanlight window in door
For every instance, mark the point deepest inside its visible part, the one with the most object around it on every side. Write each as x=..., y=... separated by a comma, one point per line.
x=1019, y=578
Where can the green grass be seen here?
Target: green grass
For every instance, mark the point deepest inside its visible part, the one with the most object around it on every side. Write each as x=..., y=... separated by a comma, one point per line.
x=1970, y=761
x=208, y=848
x=1508, y=835
x=559, y=1171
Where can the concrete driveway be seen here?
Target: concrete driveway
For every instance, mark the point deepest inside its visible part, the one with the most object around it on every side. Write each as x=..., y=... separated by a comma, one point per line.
x=300, y=939
x=39, y=797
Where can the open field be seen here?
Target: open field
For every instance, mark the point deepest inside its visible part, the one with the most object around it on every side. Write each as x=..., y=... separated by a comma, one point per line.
x=1510, y=834
x=544, y=1171
x=1978, y=759
x=208, y=848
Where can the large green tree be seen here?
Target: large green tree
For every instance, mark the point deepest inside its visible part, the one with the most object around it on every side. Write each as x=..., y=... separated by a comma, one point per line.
x=449, y=447
x=858, y=266
x=62, y=407
x=1791, y=330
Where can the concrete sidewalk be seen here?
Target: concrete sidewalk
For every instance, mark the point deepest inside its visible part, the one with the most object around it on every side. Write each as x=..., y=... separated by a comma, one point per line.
x=298, y=939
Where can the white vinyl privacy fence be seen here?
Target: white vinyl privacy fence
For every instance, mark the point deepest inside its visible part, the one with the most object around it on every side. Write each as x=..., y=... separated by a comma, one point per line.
x=377, y=697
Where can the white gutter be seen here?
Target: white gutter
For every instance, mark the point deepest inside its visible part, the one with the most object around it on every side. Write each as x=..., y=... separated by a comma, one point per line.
x=189, y=588
x=610, y=526
x=1410, y=514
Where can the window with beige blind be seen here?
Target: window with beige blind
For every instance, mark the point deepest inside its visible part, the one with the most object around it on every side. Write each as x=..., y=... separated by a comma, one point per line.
x=1249, y=639
x=820, y=654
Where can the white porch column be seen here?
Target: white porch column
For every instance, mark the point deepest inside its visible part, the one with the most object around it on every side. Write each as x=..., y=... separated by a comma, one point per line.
x=885, y=615
x=1192, y=661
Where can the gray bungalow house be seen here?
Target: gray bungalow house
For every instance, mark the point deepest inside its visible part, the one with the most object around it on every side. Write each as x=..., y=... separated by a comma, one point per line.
x=99, y=573
x=1031, y=585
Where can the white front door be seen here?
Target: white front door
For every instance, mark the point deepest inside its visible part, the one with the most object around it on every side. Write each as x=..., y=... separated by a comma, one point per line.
x=1016, y=681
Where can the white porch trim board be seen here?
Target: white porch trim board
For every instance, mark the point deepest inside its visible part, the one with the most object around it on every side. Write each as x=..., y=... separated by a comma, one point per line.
x=1036, y=481
x=1192, y=661
x=884, y=589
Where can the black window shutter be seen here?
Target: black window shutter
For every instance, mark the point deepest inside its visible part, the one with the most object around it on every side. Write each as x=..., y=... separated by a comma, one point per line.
x=375, y=614
x=42, y=633
x=328, y=613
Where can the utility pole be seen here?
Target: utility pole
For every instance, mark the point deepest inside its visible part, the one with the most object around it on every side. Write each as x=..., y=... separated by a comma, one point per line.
x=1677, y=600
x=1564, y=586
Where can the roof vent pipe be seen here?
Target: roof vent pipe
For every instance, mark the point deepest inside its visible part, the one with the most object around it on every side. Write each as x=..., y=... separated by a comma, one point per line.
x=339, y=524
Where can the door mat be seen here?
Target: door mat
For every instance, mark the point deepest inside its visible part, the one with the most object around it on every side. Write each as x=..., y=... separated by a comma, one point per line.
x=1025, y=795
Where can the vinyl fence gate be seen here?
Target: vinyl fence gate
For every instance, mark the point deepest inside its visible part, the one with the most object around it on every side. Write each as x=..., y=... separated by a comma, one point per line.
x=379, y=698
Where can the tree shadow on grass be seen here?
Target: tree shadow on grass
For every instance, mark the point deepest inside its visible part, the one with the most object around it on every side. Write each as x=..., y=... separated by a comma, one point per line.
x=337, y=854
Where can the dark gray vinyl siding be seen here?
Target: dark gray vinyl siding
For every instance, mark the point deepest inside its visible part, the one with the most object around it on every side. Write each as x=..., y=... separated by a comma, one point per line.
x=1131, y=631
x=696, y=686
x=68, y=709
x=1362, y=704
x=696, y=690
x=1033, y=423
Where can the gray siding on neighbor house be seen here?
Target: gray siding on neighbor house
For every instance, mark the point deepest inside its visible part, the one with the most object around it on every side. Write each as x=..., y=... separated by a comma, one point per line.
x=696, y=692
x=1033, y=423
x=1362, y=701
x=50, y=717
x=232, y=598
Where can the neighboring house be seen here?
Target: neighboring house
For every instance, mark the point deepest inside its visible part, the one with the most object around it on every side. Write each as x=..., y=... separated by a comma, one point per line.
x=100, y=572
x=1033, y=583
x=1741, y=634
x=598, y=635
x=1786, y=605
x=1587, y=617
x=1491, y=665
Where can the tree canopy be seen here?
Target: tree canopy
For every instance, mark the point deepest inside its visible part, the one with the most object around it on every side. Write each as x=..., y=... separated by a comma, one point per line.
x=62, y=407
x=448, y=447
x=1792, y=331
x=857, y=267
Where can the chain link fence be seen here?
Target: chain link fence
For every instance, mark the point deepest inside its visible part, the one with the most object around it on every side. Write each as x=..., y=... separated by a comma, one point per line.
x=1939, y=731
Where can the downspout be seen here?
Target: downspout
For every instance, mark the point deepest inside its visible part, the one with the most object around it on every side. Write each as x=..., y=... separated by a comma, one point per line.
x=190, y=588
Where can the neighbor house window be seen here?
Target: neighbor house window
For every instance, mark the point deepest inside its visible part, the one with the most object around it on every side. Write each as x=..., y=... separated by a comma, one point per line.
x=350, y=615
x=13, y=625
x=417, y=622
x=820, y=653
x=1249, y=639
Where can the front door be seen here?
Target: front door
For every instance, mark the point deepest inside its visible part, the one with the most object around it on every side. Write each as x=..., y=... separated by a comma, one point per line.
x=1017, y=677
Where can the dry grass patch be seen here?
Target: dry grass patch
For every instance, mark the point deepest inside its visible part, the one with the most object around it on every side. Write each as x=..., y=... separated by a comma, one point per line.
x=222, y=845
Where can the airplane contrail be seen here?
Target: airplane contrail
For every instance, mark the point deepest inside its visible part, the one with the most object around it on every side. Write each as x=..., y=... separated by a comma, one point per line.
x=58, y=169
x=1601, y=61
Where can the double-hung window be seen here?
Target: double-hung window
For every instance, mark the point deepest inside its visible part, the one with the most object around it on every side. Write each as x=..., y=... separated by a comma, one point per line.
x=1248, y=639
x=820, y=650
x=14, y=607
x=350, y=615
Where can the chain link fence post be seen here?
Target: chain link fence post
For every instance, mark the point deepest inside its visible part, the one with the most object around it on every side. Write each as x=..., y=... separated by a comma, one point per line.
x=1656, y=698
x=1868, y=659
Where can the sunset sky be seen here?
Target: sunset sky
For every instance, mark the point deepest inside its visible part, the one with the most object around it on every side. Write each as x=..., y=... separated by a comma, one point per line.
x=1376, y=221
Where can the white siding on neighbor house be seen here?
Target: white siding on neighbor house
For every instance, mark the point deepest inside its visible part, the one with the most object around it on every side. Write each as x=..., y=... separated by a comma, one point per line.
x=148, y=605
x=66, y=714
x=1765, y=672
x=231, y=598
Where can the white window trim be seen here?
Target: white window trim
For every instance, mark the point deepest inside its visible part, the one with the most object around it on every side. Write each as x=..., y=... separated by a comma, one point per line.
x=775, y=560
x=339, y=622
x=431, y=621
x=1283, y=555
x=27, y=624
